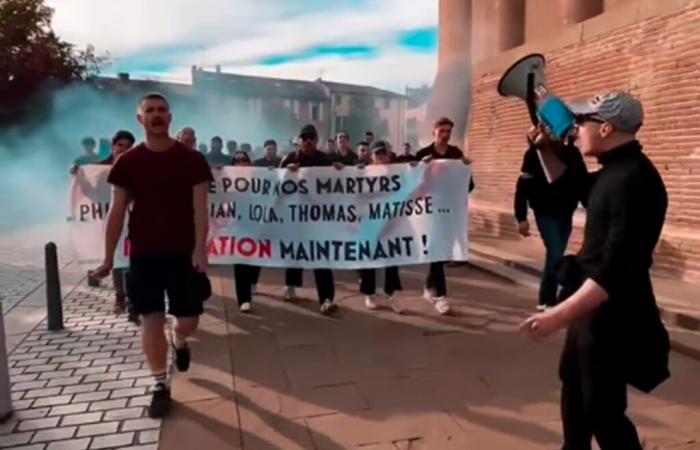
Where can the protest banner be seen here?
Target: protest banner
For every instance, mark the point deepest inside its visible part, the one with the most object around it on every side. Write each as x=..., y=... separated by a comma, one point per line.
x=313, y=218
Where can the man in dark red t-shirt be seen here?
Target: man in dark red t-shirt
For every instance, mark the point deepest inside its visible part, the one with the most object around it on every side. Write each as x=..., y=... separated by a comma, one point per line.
x=167, y=185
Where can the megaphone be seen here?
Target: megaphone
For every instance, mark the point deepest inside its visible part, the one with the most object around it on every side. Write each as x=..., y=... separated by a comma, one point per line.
x=526, y=80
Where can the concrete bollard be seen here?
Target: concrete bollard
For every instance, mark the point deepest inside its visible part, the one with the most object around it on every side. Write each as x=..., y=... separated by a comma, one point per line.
x=53, y=288
x=5, y=397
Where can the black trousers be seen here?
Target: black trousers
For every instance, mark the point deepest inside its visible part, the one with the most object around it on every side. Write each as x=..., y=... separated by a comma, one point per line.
x=594, y=396
x=325, y=286
x=368, y=281
x=245, y=277
x=436, y=279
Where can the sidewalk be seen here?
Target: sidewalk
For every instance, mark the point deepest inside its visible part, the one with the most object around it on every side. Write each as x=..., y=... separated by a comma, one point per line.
x=522, y=260
x=80, y=388
x=286, y=378
x=528, y=255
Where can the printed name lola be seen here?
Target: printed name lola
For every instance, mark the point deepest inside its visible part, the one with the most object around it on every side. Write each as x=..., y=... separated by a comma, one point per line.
x=325, y=212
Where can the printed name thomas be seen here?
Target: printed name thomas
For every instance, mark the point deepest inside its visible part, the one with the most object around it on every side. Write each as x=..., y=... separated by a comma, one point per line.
x=329, y=212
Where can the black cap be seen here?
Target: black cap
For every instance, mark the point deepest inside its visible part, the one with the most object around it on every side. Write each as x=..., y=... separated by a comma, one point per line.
x=123, y=134
x=308, y=130
x=379, y=147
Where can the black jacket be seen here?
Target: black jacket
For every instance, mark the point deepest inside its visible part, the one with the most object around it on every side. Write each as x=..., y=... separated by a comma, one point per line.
x=558, y=198
x=626, y=212
x=312, y=159
x=451, y=153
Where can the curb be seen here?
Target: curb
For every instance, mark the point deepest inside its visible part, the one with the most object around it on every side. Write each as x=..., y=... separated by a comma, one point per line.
x=671, y=316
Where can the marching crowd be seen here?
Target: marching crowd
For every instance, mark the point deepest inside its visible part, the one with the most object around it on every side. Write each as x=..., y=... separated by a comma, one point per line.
x=603, y=296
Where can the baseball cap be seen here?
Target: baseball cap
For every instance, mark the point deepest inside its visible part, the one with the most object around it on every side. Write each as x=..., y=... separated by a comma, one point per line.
x=308, y=130
x=123, y=134
x=379, y=147
x=620, y=109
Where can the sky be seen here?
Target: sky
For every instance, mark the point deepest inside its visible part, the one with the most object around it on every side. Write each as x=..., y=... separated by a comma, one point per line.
x=384, y=43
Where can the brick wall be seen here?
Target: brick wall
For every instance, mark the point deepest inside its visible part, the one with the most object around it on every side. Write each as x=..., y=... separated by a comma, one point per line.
x=657, y=58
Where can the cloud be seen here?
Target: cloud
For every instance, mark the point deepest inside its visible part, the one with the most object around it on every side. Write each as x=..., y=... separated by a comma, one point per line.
x=163, y=37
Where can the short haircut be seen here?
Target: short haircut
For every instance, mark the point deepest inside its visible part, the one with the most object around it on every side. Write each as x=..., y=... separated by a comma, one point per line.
x=217, y=139
x=342, y=133
x=362, y=144
x=123, y=134
x=270, y=142
x=442, y=121
x=369, y=133
x=154, y=96
x=88, y=142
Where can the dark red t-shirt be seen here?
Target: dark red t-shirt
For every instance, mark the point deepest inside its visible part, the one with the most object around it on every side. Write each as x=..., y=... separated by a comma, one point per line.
x=161, y=221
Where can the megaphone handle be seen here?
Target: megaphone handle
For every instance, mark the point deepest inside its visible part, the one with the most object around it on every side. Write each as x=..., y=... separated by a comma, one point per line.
x=530, y=100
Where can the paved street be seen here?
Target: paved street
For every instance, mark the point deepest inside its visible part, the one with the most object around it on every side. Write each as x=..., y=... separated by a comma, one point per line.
x=287, y=378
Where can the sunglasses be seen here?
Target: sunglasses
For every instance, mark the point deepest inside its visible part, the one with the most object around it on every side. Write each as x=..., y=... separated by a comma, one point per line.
x=308, y=137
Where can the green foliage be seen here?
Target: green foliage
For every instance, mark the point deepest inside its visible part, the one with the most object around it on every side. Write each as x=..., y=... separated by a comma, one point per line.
x=32, y=56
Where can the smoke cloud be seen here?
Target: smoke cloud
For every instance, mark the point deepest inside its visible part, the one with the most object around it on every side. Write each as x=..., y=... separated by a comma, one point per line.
x=35, y=157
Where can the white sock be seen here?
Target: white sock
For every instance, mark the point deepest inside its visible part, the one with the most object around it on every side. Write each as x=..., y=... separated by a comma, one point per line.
x=179, y=341
x=161, y=380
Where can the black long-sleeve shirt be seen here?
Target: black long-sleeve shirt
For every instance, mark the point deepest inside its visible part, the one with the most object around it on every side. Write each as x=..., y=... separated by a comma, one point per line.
x=303, y=159
x=558, y=198
x=626, y=212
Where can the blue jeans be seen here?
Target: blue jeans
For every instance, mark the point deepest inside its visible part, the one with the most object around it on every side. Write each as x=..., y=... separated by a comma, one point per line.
x=555, y=232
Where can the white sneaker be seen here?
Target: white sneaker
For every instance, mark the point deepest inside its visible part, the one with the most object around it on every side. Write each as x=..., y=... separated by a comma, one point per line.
x=327, y=307
x=442, y=305
x=429, y=294
x=254, y=289
x=394, y=305
x=245, y=307
x=542, y=308
x=290, y=293
x=369, y=302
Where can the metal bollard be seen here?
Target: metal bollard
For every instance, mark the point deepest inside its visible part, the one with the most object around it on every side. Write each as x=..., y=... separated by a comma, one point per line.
x=5, y=397
x=53, y=288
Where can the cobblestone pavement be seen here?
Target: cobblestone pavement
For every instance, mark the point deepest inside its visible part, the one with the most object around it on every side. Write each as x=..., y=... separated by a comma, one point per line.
x=22, y=261
x=81, y=388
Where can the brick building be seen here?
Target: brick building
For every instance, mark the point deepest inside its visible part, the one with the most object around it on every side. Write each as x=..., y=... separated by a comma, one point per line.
x=648, y=47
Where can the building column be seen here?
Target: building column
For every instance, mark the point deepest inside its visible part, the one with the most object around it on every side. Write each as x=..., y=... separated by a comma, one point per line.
x=451, y=92
x=511, y=23
x=575, y=11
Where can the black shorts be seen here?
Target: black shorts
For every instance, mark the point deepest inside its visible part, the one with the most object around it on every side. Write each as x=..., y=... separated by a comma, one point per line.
x=150, y=278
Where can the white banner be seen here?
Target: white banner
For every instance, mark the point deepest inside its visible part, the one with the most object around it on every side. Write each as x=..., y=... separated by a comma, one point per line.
x=313, y=218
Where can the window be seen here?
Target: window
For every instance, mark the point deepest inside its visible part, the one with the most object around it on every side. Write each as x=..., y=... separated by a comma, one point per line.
x=338, y=123
x=315, y=113
x=338, y=100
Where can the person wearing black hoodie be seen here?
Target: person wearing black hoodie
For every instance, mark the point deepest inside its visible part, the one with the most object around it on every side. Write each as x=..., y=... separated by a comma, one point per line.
x=553, y=181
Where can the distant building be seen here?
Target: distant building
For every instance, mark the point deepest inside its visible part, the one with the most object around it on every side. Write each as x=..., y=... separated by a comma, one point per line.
x=330, y=106
x=417, y=99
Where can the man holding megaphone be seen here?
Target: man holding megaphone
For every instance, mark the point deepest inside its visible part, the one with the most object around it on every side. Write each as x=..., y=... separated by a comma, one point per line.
x=615, y=336
x=553, y=178
x=552, y=182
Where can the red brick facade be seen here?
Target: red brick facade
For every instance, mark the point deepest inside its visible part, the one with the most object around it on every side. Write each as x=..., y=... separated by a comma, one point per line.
x=653, y=54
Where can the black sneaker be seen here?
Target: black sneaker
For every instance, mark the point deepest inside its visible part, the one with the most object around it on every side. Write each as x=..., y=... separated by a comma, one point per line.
x=182, y=358
x=160, y=402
